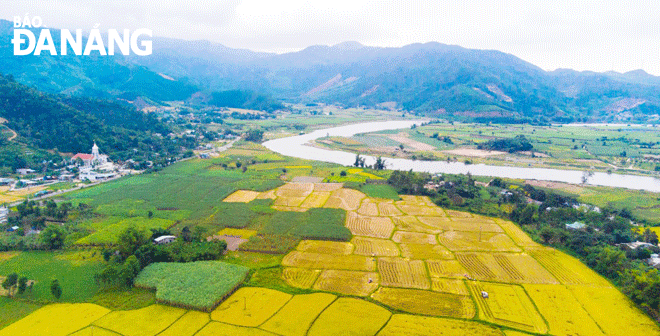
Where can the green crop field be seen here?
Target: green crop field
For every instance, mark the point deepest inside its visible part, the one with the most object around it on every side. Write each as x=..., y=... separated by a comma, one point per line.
x=75, y=276
x=196, y=285
x=380, y=191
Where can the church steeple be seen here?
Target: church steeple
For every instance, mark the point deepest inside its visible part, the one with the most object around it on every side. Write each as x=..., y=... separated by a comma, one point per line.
x=95, y=151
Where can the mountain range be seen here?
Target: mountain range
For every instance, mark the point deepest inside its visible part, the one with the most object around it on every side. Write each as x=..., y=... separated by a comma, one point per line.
x=433, y=79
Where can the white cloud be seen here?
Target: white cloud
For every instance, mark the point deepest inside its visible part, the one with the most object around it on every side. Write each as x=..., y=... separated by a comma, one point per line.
x=583, y=35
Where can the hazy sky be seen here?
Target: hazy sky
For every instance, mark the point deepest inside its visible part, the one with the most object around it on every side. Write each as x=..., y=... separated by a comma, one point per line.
x=579, y=34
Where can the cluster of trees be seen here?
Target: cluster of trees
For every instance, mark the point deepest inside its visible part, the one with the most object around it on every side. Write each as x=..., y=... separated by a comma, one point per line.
x=378, y=165
x=545, y=220
x=65, y=124
x=518, y=143
x=135, y=250
x=14, y=284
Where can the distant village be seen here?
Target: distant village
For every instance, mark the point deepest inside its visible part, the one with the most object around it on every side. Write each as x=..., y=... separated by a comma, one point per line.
x=82, y=168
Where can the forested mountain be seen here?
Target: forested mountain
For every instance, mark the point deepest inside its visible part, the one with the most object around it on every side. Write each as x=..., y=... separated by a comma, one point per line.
x=431, y=78
x=62, y=124
x=434, y=79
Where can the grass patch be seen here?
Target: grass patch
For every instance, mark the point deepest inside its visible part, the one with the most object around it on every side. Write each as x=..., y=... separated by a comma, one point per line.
x=198, y=285
x=75, y=277
x=110, y=234
x=124, y=299
x=380, y=191
x=317, y=223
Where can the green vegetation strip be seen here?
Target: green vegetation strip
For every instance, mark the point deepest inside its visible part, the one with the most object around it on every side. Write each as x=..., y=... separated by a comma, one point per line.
x=198, y=285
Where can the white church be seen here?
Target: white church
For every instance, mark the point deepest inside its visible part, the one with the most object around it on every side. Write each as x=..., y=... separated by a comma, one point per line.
x=95, y=161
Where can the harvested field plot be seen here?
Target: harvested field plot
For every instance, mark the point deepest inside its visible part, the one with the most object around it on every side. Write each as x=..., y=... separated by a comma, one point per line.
x=348, y=316
x=377, y=227
x=507, y=305
x=329, y=261
x=347, y=282
x=566, y=269
x=267, y=195
x=316, y=199
x=298, y=314
x=327, y=247
x=458, y=214
x=242, y=196
x=388, y=209
x=56, y=319
x=446, y=269
x=412, y=325
x=295, y=190
x=420, y=210
x=416, y=200
x=413, y=238
x=187, y=325
x=283, y=201
x=425, y=251
x=613, y=312
x=471, y=224
x=346, y=199
x=399, y=272
x=250, y=306
x=327, y=186
x=563, y=312
x=147, y=321
x=426, y=302
x=505, y=267
x=368, y=208
x=477, y=241
x=300, y=277
x=374, y=247
x=451, y=286
x=518, y=235
x=416, y=224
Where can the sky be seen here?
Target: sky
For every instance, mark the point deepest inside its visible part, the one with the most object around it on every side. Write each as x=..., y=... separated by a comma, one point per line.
x=583, y=35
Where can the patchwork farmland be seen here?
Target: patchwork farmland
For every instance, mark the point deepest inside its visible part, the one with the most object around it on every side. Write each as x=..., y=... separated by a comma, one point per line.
x=409, y=268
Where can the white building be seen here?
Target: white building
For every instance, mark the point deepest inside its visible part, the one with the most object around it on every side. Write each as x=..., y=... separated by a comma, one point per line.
x=95, y=160
x=164, y=240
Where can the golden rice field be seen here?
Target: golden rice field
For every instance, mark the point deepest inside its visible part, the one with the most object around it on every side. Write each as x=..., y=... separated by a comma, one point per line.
x=425, y=302
x=298, y=314
x=300, y=277
x=49, y=320
x=347, y=316
x=347, y=282
x=505, y=267
x=422, y=259
x=376, y=227
x=446, y=269
x=477, y=241
x=400, y=272
x=407, y=237
x=329, y=261
x=564, y=313
x=140, y=322
x=412, y=325
x=507, y=305
x=250, y=307
x=240, y=233
x=374, y=247
x=410, y=256
x=242, y=196
x=424, y=251
x=329, y=247
x=451, y=286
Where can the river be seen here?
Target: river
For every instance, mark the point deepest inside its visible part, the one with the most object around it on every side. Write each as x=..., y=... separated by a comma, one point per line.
x=295, y=146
